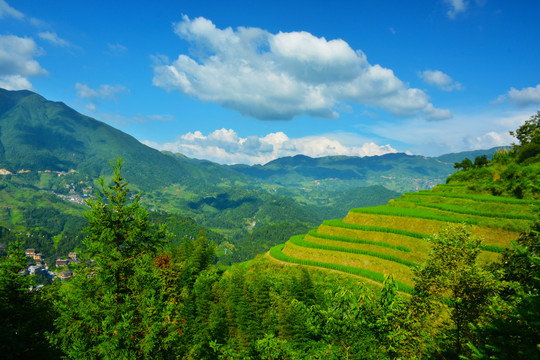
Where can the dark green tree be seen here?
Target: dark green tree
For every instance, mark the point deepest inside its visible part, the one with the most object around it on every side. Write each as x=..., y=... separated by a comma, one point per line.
x=528, y=135
x=25, y=315
x=529, y=131
x=466, y=164
x=481, y=161
x=115, y=306
x=511, y=327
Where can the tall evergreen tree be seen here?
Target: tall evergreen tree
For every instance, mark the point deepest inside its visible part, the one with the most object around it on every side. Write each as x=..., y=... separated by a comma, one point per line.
x=115, y=306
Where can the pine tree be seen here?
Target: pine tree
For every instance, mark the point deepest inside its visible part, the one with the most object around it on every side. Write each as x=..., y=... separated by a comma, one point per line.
x=115, y=306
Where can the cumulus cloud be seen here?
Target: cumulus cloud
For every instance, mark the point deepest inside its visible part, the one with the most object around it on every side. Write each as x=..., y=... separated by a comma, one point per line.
x=17, y=62
x=54, y=39
x=488, y=140
x=439, y=79
x=8, y=11
x=279, y=76
x=524, y=97
x=226, y=147
x=105, y=92
x=456, y=7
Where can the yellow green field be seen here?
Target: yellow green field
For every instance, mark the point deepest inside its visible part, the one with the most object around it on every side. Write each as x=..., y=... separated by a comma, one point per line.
x=393, y=239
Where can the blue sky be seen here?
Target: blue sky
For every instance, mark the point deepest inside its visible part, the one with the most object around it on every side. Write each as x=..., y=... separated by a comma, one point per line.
x=247, y=81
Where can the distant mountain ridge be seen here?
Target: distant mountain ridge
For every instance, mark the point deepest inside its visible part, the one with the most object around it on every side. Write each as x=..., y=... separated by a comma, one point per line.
x=397, y=171
x=39, y=134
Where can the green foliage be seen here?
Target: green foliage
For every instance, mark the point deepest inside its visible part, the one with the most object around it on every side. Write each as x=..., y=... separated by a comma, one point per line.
x=114, y=307
x=511, y=326
x=452, y=276
x=465, y=164
x=529, y=132
x=26, y=315
x=516, y=173
x=262, y=239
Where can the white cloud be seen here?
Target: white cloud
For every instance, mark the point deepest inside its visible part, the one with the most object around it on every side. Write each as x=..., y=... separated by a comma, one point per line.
x=440, y=80
x=14, y=82
x=279, y=76
x=524, y=97
x=463, y=132
x=8, y=11
x=54, y=39
x=17, y=62
x=488, y=140
x=226, y=147
x=456, y=7
x=105, y=92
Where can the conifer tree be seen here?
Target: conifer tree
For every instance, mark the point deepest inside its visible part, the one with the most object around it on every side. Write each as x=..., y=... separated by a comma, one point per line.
x=115, y=306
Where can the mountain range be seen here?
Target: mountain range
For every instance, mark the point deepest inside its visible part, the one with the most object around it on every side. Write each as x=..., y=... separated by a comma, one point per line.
x=48, y=146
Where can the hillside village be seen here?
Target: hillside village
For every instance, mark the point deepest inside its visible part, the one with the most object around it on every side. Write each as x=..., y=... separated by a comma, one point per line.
x=38, y=267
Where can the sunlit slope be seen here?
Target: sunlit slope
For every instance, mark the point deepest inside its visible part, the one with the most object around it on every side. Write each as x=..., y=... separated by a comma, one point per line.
x=392, y=239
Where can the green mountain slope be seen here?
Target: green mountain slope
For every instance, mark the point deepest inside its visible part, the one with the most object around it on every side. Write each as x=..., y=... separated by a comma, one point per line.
x=37, y=134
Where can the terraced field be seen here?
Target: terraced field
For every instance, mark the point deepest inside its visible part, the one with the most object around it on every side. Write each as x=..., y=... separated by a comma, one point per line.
x=392, y=239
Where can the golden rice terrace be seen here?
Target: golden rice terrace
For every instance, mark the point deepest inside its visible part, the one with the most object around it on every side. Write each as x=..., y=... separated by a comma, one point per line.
x=392, y=239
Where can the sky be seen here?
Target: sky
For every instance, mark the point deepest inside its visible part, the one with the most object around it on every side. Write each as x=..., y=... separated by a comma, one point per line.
x=248, y=82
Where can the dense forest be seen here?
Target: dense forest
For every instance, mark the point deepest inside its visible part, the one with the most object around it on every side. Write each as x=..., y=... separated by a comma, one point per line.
x=137, y=295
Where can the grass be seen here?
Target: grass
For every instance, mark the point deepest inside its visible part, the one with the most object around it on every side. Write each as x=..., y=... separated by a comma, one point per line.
x=462, y=210
x=410, y=212
x=518, y=225
x=394, y=238
x=299, y=240
x=340, y=223
x=480, y=197
x=314, y=233
x=440, y=198
x=277, y=253
x=406, y=226
x=401, y=272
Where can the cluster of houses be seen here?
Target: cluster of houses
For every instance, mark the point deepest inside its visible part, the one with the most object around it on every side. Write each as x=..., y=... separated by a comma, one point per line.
x=40, y=266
